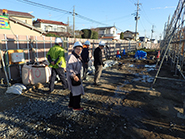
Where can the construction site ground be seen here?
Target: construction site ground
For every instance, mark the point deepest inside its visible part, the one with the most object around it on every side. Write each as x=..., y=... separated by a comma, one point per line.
x=123, y=107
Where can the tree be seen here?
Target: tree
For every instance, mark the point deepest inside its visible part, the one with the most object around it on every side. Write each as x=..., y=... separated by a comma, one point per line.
x=52, y=35
x=122, y=36
x=94, y=35
x=78, y=33
x=86, y=33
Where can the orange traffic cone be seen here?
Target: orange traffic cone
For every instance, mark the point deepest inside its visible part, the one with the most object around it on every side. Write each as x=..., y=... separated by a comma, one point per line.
x=158, y=54
x=117, y=52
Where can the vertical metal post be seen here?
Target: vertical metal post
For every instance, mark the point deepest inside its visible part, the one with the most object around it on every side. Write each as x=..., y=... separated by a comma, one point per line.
x=36, y=46
x=18, y=48
x=44, y=47
x=6, y=43
x=50, y=42
x=28, y=48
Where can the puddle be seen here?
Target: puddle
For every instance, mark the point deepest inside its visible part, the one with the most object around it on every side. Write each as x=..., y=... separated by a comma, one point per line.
x=144, y=78
x=131, y=65
x=150, y=67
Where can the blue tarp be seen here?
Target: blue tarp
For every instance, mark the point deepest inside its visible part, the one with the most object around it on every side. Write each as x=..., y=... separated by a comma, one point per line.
x=118, y=56
x=124, y=52
x=140, y=54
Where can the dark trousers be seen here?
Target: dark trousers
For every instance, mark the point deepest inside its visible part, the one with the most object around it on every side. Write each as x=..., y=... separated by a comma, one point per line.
x=85, y=68
x=98, y=71
x=74, y=101
x=60, y=72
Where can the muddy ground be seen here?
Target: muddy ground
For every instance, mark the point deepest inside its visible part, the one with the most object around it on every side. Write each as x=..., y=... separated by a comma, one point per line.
x=123, y=107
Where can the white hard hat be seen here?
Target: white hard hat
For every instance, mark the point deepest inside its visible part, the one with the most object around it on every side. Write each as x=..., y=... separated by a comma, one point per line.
x=77, y=44
x=58, y=40
x=87, y=43
x=102, y=43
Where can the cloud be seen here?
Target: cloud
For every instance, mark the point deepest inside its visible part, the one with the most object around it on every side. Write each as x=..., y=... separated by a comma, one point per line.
x=166, y=7
x=30, y=12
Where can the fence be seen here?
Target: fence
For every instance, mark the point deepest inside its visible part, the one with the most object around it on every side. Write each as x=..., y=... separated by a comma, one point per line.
x=35, y=48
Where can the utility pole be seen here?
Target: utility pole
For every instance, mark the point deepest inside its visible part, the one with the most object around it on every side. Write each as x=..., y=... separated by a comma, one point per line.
x=137, y=18
x=152, y=31
x=68, y=25
x=74, y=22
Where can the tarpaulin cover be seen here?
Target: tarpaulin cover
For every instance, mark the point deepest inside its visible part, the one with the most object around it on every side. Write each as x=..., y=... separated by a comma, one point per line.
x=140, y=54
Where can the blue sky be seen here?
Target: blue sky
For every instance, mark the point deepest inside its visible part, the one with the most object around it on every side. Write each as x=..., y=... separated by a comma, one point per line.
x=107, y=12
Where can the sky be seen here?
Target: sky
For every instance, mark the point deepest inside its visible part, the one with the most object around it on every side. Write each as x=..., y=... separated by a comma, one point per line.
x=101, y=13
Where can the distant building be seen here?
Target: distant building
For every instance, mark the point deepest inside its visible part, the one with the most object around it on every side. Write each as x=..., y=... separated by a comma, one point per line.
x=153, y=41
x=21, y=24
x=53, y=27
x=144, y=39
x=107, y=33
x=130, y=35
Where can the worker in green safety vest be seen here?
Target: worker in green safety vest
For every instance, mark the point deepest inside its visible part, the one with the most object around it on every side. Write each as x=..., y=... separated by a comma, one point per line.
x=56, y=58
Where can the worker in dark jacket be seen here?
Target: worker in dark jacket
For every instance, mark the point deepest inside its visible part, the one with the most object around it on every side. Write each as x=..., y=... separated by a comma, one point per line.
x=85, y=57
x=56, y=58
x=98, y=62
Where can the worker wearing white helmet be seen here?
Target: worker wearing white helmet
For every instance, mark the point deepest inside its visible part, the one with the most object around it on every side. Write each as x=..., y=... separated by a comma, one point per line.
x=85, y=57
x=74, y=66
x=98, y=62
x=56, y=58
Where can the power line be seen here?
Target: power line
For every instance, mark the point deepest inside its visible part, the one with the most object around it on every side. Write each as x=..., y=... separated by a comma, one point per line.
x=44, y=6
x=59, y=10
x=118, y=18
x=147, y=19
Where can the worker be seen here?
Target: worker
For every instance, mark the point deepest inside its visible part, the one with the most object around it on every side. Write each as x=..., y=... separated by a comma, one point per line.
x=98, y=62
x=56, y=58
x=85, y=57
x=74, y=67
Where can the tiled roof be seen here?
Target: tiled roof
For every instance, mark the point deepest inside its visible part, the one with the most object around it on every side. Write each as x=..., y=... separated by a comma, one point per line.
x=16, y=13
x=130, y=32
x=105, y=27
x=50, y=22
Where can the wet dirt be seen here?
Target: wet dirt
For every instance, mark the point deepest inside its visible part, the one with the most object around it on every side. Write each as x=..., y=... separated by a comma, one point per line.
x=123, y=107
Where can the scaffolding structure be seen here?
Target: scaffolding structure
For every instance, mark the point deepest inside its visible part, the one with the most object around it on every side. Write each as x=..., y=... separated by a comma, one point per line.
x=172, y=46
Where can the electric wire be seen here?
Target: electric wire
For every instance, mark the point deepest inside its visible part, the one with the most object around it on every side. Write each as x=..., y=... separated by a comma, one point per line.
x=147, y=19
x=59, y=10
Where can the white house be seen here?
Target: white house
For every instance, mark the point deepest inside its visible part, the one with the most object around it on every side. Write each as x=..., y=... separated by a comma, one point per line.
x=107, y=33
x=49, y=26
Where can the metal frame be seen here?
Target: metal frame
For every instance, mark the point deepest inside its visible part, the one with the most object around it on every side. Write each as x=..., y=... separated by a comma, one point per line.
x=171, y=46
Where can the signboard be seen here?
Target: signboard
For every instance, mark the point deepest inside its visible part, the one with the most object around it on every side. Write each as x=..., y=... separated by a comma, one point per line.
x=4, y=24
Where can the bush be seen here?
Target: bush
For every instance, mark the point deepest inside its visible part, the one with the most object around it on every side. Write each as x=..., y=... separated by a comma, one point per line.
x=52, y=35
x=94, y=35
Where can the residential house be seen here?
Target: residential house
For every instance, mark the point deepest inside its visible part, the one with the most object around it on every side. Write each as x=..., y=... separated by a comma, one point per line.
x=129, y=35
x=144, y=39
x=21, y=24
x=107, y=33
x=53, y=27
x=153, y=40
